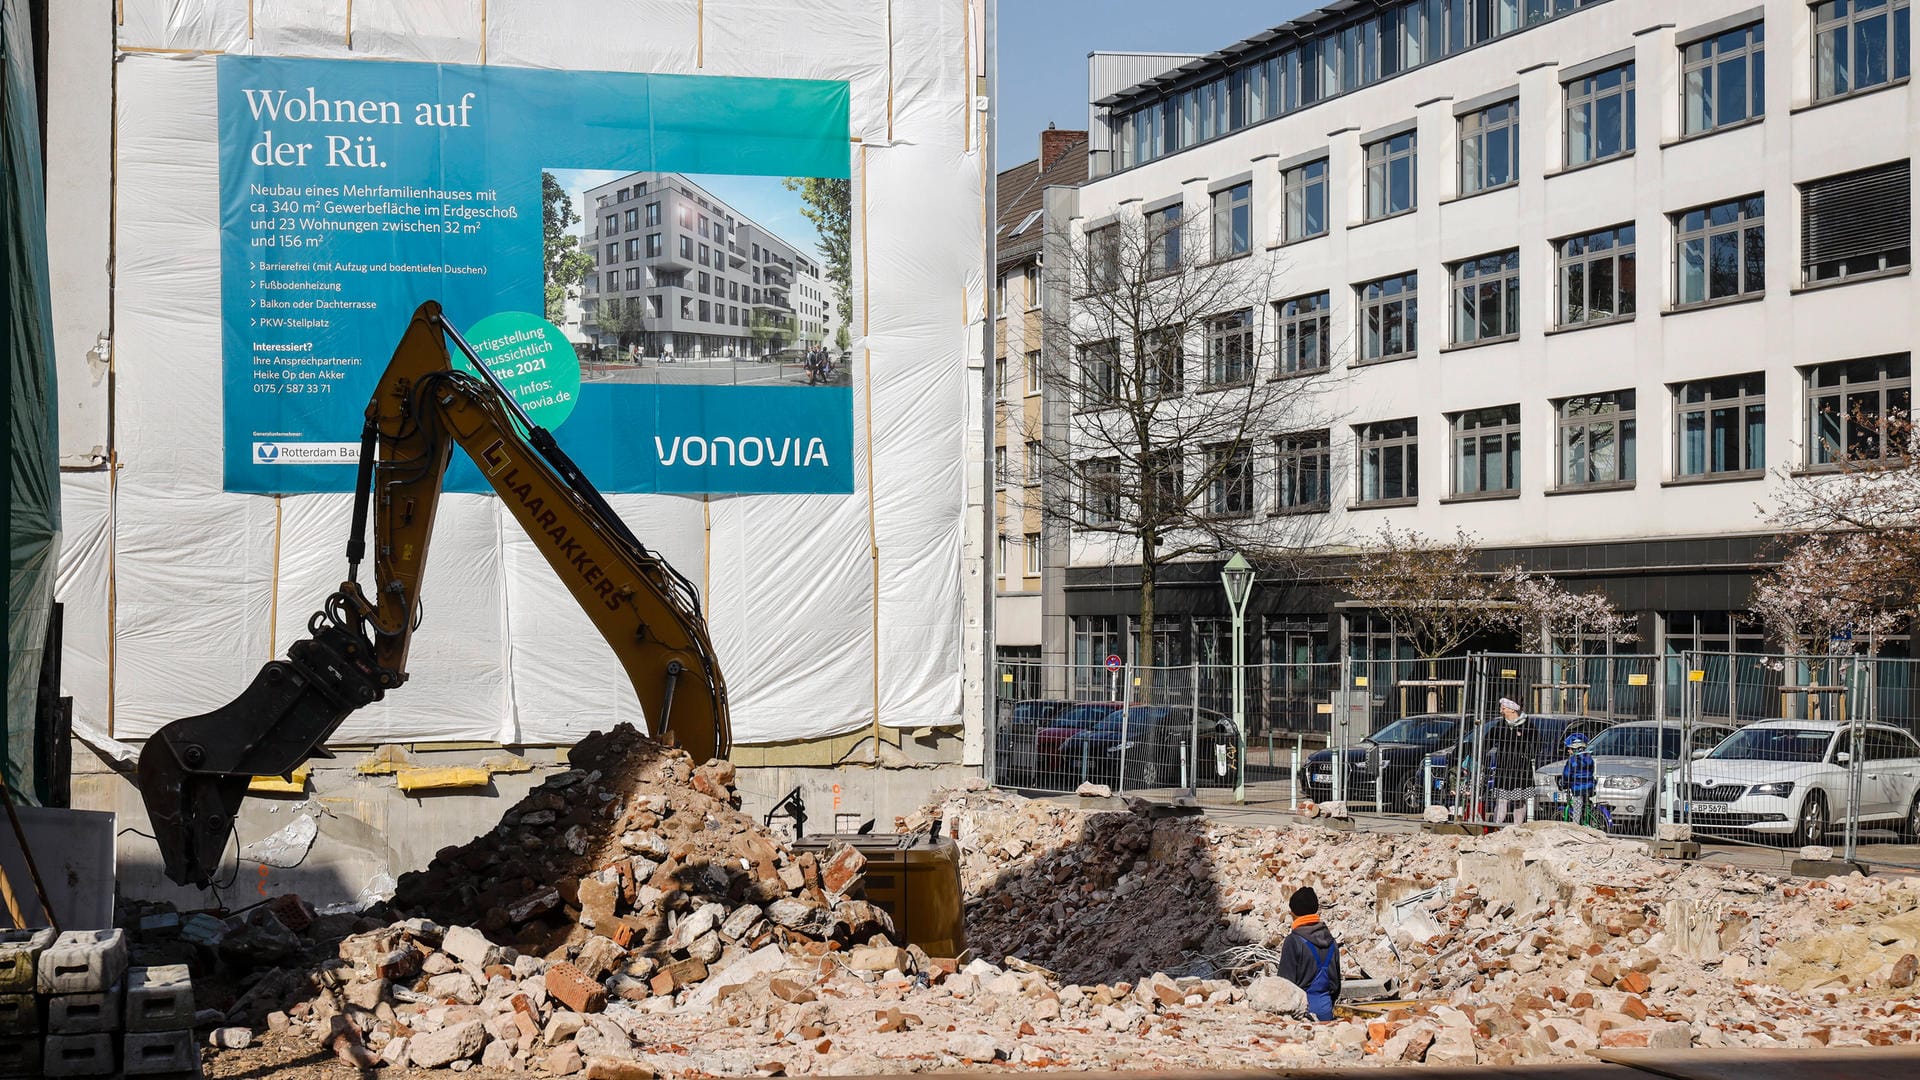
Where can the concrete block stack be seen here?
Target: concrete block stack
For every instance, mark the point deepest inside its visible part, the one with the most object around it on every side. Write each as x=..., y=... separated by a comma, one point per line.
x=81, y=975
x=159, y=1018
x=70, y=1006
x=20, y=1027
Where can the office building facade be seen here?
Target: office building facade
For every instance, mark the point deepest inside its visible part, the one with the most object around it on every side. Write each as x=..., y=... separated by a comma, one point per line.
x=679, y=272
x=1019, y=390
x=1590, y=280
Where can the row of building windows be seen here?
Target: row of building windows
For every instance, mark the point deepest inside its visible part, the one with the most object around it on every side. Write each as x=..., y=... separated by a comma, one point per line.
x=1858, y=223
x=1850, y=224
x=1320, y=66
x=644, y=277
x=690, y=310
x=705, y=284
x=1853, y=223
x=1003, y=385
x=1719, y=432
x=651, y=246
x=1030, y=545
x=1857, y=45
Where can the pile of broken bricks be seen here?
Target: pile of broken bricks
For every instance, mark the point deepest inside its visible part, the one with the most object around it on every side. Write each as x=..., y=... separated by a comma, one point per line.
x=631, y=877
x=625, y=920
x=1541, y=941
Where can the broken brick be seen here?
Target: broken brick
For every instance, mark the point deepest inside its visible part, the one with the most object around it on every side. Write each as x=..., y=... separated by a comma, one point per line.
x=573, y=988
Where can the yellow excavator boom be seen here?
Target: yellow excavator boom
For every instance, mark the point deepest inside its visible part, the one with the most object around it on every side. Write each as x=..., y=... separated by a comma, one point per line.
x=193, y=773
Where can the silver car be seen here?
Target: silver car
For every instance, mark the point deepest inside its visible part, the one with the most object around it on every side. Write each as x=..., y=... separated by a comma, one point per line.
x=1627, y=762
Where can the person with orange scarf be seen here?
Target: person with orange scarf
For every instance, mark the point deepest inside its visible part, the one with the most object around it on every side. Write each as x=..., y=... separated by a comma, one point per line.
x=1310, y=958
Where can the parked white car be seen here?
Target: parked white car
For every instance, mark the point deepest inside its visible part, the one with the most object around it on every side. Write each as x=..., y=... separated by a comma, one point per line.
x=1788, y=780
x=1628, y=761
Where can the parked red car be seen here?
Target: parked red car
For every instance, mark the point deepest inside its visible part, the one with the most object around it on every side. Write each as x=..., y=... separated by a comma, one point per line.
x=1050, y=769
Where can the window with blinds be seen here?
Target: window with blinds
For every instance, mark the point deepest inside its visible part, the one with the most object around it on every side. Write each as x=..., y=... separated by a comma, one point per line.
x=1856, y=223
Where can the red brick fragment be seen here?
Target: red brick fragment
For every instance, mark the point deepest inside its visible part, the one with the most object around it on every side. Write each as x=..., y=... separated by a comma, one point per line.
x=571, y=987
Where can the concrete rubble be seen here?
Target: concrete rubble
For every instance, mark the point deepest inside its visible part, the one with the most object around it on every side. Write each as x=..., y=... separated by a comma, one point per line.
x=625, y=920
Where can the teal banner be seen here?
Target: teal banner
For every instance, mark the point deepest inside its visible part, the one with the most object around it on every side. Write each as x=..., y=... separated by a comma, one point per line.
x=353, y=190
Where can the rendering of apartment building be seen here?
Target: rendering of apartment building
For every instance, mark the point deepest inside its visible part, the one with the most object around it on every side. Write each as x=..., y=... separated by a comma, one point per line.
x=1587, y=280
x=1018, y=393
x=679, y=272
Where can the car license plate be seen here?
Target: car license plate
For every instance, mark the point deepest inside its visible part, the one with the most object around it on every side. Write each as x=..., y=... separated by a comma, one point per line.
x=1710, y=808
x=1322, y=778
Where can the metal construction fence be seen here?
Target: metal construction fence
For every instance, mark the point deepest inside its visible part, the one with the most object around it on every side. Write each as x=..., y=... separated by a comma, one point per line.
x=1785, y=751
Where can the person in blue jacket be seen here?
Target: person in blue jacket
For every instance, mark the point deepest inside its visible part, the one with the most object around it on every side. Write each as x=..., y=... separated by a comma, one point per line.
x=1310, y=958
x=1576, y=779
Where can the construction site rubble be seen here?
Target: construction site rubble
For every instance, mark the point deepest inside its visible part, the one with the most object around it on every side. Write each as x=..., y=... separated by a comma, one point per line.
x=626, y=920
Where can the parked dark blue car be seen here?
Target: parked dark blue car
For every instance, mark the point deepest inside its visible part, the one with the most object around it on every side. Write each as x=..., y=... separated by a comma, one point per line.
x=1394, y=754
x=1150, y=738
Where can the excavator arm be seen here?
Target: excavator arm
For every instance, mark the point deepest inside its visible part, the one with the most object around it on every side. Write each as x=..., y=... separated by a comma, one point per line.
x=194, y=772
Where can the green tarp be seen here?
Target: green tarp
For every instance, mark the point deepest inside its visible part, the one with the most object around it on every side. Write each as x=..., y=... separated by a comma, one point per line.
x=33, y=480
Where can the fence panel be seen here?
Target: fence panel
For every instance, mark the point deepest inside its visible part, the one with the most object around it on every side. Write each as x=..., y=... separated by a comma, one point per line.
x=1746, y=749
x=1819, y=750
x=1892, y=838
x=1503, y=772
x=1384, y=716
x=1038, y=709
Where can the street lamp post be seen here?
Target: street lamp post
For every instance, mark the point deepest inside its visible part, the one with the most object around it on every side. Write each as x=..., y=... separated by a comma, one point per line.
x=1237, y=576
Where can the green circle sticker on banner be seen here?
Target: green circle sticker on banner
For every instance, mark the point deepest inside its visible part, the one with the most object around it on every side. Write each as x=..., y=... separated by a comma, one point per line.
x=532, y=359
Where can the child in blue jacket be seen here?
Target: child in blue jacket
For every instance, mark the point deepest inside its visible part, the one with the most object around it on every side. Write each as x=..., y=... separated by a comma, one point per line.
x=1576, y=778
x=1310, y=958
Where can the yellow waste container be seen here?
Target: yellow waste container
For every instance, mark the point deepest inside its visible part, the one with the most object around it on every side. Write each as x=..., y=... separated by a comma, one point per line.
x=914, y=879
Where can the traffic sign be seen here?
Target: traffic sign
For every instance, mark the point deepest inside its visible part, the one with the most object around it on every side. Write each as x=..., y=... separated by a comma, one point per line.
x=1114, y=663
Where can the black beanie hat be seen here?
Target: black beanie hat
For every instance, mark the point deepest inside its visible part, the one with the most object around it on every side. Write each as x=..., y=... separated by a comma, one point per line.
x=1304, y=901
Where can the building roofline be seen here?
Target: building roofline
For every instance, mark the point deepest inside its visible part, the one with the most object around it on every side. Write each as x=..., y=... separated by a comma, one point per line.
x=741, y=214
x=1137, y=52
x=1299, y=28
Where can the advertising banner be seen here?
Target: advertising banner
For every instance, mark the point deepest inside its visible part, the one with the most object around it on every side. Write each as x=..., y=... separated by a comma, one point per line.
x=676, y=220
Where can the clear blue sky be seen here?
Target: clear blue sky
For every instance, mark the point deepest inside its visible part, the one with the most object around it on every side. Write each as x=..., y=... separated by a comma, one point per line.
x=1044, y=46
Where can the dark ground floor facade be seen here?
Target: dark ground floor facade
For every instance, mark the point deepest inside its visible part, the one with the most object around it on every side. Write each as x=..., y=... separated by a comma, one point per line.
x=1688, y=599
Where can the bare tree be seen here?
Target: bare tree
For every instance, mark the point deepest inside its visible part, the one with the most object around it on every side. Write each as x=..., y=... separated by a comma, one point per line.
x=1175, y=388
x=1851, y=567
x=1431, y=592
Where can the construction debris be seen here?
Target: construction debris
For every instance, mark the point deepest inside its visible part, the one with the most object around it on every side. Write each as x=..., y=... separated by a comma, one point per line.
x=625, y=920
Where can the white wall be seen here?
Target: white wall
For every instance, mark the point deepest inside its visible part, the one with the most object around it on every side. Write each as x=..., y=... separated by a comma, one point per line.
x=79, y=218
x=830, y=613
x=1775, y=334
